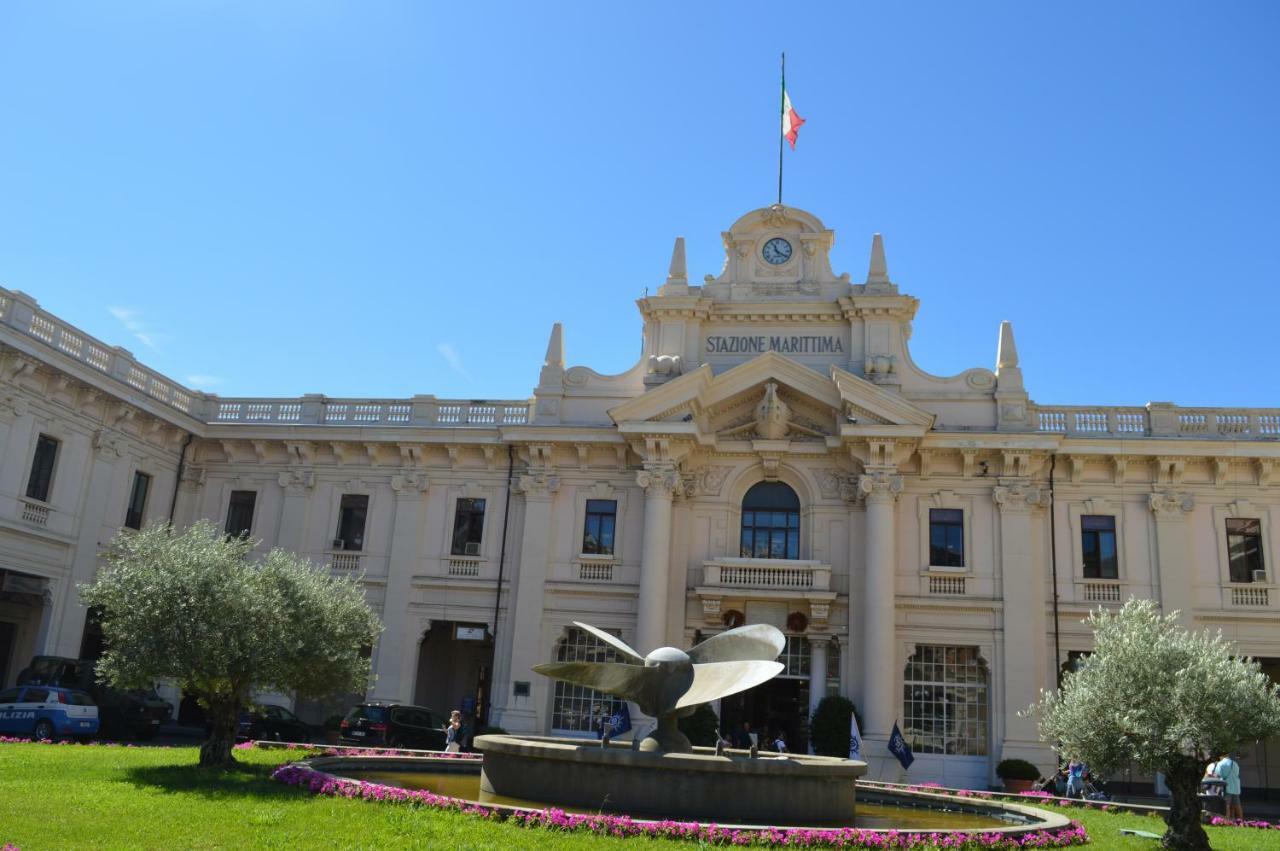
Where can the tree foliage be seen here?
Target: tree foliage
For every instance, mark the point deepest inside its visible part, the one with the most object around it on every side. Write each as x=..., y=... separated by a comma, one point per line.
x=1158, y=697
x=829, y=727
x=196, y=607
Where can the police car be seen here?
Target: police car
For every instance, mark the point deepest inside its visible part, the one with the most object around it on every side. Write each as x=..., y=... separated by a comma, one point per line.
x=47, y=712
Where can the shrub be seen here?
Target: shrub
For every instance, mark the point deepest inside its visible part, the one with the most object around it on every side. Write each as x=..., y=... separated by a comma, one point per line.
x=701, y=726
x=829, y=727
x=1017, y=769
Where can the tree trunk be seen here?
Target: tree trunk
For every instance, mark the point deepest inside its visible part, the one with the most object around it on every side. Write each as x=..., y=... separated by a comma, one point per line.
x=216, y=750
x=1184, y=832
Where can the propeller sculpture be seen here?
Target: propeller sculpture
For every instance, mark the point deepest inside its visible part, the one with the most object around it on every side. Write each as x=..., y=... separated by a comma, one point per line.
x=669, y=682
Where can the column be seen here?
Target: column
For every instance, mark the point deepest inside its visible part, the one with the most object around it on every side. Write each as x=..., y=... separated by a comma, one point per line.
x=1173, y=551
x=520, y=712
x=297, y=484
x=659, y=481
x=817, y=670
x=90, y=538
x=397, y=646
x=1022, y=580
x=879, y=659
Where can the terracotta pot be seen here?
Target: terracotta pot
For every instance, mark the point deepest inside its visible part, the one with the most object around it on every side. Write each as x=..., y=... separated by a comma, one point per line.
x=1016, y=786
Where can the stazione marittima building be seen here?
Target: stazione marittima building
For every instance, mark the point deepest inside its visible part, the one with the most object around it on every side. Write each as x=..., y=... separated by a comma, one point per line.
x=929, y=544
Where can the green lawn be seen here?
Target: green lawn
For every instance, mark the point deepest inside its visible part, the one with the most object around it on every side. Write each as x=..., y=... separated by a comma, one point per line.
x=72, y=797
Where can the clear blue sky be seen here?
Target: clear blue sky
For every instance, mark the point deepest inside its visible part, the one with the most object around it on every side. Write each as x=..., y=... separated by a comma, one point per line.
x=380, y=199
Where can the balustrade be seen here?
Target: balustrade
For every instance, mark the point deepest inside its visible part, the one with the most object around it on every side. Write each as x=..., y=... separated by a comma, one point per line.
x=1250, y=597
x=767, y=574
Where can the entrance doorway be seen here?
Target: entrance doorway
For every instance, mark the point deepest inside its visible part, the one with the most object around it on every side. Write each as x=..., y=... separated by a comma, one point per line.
x=779, y=705
x=455, y=661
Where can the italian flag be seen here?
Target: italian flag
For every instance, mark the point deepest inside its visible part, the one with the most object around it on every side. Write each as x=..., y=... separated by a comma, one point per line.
x=790, y=120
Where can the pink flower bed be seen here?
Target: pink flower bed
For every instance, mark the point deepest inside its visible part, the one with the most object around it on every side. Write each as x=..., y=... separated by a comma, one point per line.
x=624, y=826
x=1219, y=821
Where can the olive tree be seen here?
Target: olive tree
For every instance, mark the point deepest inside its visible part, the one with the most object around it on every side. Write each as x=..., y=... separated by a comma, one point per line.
x=1156, y=696
x=195, y=606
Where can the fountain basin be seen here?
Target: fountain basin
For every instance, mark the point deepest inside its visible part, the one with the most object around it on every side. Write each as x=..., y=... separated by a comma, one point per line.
x=697, y=785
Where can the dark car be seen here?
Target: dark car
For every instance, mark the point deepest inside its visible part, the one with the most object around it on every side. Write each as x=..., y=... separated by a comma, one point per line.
x=393, y=725
x=122, y=714
x=272, y=723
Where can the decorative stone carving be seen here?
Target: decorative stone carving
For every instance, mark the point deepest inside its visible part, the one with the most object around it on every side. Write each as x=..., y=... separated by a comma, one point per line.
x=659, y=479
x=837, y=484
x=193, y=476
x=667, y=366
x=1018, y=496
x=879, y=486
x=297, y=480
x=409, y=482
x=705, y=481
x=12, y=405
x=1264, y=468
x=820, y=612
x=107, y=443
x=711, y=610
x=1170, y=503
x=538, y=484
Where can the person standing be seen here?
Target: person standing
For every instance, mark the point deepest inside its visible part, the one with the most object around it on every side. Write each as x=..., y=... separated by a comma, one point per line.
x=1075, y=779
x=453, y=733
x=1229, y=771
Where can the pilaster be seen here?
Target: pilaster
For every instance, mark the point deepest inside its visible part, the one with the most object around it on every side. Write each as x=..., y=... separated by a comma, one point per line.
x=1170, y=508
x=397, y=646
x=297, y=484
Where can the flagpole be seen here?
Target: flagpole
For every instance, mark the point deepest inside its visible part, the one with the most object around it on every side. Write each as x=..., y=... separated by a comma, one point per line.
x=782, y=102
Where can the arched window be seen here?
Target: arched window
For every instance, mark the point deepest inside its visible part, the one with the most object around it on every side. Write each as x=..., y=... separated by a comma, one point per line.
x=945, y=701
x=770, y=522
x=574, y=708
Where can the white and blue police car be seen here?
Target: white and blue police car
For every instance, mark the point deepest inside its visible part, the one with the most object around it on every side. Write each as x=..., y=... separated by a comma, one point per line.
x=47, y=712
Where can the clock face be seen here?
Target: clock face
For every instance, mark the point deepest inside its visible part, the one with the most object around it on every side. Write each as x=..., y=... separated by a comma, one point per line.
x=776, y=251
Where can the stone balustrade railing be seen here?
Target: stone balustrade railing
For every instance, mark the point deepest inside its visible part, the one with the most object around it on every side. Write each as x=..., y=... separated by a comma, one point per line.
x=767, y=574
x=20, y=314
x=1157, y=419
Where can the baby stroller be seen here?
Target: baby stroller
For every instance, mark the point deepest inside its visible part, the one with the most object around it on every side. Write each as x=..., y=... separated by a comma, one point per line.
x=1095, y=788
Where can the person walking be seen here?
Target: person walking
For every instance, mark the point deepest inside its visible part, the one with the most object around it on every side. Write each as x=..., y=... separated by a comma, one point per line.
x=1229, y=771
x=1075, y=779
x=453, y=733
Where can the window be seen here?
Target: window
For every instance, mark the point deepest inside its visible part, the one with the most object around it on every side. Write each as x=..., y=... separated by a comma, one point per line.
x=351, y=516
x=945, y=701
x=42, y=468
x=770, y=522
x=946, y=537
x=1244, y=549
x=35, y=695
x=240, y=513
x=468, y=526
x=574, y=708
x=9, y=696
x=137, y=501
x=1098, y=544
x=597, y=535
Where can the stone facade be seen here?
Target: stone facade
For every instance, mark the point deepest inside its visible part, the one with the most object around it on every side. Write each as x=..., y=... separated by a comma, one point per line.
x=768, y=372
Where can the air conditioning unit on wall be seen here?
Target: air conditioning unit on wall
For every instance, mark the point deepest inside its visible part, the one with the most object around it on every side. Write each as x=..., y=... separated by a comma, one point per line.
x=338, y=543
x=471, y=549
x=1259, y=576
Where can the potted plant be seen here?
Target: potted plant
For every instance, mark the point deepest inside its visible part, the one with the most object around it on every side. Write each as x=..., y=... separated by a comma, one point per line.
x=332, y=729
x=1018, y=775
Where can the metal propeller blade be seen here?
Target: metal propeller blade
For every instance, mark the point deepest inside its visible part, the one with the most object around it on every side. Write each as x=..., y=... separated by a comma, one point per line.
x=713, y=680
x=755, y=642
x=612, y=640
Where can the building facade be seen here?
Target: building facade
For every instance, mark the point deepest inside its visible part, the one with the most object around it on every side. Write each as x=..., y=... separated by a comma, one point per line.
x=928, y=544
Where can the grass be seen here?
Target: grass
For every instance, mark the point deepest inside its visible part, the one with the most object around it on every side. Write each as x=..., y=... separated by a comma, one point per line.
x=59, y=797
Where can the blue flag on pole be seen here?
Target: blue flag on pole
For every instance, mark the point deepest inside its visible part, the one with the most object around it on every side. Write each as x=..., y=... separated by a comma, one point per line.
x=855, y=738
x=899, y=748
x=619, y=722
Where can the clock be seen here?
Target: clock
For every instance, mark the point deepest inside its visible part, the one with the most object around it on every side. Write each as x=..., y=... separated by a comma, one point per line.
x=776, y=251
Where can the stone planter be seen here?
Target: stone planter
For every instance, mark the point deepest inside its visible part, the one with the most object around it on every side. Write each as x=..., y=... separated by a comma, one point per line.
x=1015, y=786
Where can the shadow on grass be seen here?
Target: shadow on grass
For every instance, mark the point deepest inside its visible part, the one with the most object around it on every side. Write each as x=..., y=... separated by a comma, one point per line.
x=240, y=781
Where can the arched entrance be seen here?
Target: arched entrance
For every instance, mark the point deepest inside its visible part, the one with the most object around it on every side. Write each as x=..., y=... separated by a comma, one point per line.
x=455, y=663
x=782, y=703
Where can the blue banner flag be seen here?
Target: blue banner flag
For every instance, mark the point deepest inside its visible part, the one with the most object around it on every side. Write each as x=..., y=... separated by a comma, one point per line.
x=899, y=748
x=855, y=738
x=619, y=722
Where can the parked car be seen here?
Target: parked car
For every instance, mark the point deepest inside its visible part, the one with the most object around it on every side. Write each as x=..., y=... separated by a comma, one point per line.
x=48, y=712
x=393, y=725
x=272, y=722
x=121, y=714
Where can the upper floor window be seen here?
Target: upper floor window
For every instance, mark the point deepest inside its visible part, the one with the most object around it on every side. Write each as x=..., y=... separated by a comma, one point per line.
x=137, y=501
x=42, y=468
x=770, y=522
x=946, y=537
x=1244, y=549
x=351, y=517
x=468, y=527
x=240, y=513
x=1098, y=544
x=597, y=533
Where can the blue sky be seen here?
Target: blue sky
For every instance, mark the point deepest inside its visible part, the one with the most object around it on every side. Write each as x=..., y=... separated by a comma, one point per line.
x=379, y=199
